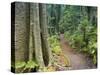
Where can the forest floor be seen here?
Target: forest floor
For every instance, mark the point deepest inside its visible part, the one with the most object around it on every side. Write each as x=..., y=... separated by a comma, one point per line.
x=77, y=60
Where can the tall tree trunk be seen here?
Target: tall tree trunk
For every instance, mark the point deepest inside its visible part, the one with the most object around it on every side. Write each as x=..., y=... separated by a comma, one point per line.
x=58, y=15
x=31, y=39
x=44, y=34
x=36, y=34
x=21, y=31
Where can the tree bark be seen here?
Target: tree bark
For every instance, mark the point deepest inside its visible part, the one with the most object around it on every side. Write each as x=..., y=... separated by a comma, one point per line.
x=21, y=31
x=36, y=34
x=44, y=34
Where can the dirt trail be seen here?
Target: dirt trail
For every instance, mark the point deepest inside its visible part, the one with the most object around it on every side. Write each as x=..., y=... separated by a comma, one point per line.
x=77, y=60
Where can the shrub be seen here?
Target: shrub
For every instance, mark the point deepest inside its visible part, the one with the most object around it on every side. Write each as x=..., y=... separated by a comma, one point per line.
x=54, y=43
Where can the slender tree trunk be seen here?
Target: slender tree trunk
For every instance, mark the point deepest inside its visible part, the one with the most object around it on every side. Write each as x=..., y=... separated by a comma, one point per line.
x=44, y=34
x=58, y=15
x=36, y=34
x=31, y=42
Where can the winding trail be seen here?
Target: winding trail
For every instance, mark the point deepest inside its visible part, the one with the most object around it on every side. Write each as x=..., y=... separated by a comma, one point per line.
x=77, y=60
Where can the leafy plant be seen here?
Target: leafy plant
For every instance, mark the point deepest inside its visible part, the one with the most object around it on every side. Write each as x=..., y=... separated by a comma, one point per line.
x=31, y=64
x=56, y=49
x=54, y=43
x=18, y=64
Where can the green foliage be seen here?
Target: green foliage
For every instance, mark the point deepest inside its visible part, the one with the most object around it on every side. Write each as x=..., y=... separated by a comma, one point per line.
x=70, y=19
x=22, y=64
x=54, y=43
x=18, y=64
x=93, y=46
x=31, y=64
x=56, y=49
x=53, y=40
x=75, y=40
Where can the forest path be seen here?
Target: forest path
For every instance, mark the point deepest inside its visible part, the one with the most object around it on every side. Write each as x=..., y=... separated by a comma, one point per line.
x=77, y=60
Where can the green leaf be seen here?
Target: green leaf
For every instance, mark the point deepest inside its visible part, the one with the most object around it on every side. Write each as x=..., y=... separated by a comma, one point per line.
x=31, y=64
x=19, y=64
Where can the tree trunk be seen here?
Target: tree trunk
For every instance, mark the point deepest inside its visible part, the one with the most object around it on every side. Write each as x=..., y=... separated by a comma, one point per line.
x=21, y=31
x=31, y=41
x=44, y=34
x=36, y=34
